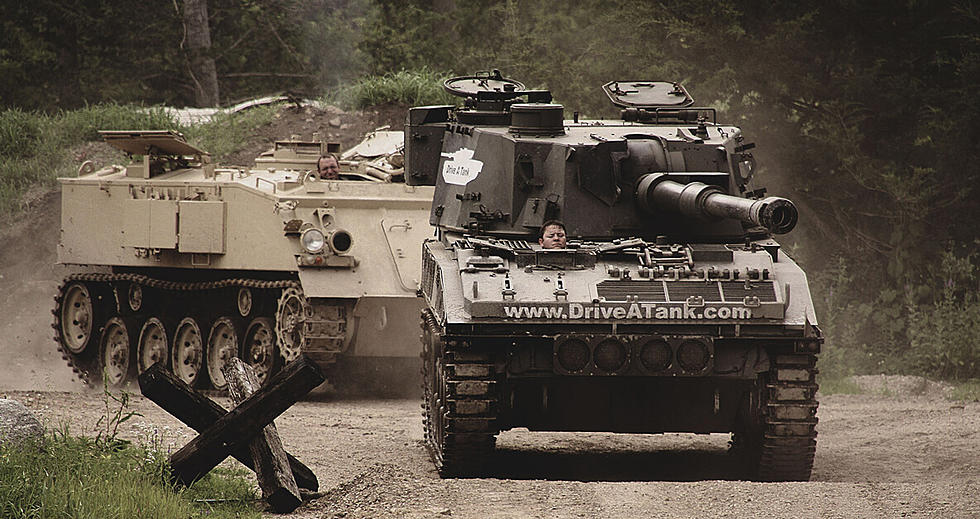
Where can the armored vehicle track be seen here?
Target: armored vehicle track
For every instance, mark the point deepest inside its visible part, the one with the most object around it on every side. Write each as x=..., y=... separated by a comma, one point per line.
x=117, y=325
x=460, y=402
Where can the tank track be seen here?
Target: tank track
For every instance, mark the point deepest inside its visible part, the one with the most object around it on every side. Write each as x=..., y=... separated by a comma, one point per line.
x=778, y=438
x=460, y=402
x=85, y=362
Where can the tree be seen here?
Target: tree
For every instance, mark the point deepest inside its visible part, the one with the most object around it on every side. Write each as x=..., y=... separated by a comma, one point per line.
x=197, y=43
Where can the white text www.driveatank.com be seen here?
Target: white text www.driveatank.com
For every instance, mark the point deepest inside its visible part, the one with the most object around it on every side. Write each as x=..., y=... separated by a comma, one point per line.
x=630, y=311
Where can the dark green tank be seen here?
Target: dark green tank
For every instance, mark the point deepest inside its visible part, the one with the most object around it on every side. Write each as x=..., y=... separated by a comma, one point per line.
x=670, y=308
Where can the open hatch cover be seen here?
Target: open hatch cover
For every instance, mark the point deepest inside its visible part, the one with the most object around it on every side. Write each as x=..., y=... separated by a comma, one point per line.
x=647, y=94
x=150, y=142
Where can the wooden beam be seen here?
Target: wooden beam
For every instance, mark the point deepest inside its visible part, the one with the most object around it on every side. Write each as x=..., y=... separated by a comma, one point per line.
x=242, y=423
x=271, y=467
x=198, y=412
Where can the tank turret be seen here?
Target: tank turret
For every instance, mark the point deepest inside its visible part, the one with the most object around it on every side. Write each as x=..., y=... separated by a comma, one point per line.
x=669, y=308
x=507, y=161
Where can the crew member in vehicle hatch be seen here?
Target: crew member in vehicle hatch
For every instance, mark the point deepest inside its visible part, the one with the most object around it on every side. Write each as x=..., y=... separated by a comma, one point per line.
x=552, y=235
x=328, y=167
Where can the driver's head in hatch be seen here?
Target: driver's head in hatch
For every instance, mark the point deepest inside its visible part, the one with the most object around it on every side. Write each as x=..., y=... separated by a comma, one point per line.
x=327, y=167
x=552, y=235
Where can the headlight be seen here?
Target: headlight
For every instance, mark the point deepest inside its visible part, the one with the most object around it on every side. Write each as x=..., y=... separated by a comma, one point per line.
x=312, y=240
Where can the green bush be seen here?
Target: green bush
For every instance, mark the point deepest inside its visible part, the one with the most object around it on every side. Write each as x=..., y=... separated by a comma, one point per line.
x=943, y=335
x=228, y=133
x=928, y=328
x=968, y=390
x=19, y=132
x=76, y=126
x=405, y=87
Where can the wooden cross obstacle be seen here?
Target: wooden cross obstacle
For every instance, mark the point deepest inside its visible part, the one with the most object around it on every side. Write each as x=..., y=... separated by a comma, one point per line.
x=246, y=432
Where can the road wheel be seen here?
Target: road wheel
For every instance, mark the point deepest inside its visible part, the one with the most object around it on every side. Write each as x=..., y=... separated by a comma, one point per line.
x=187, y=360
x=79, y=315
x=116, y=353
x=152, y=345
x=222, y=347
x=259, y=348
x=78, y=322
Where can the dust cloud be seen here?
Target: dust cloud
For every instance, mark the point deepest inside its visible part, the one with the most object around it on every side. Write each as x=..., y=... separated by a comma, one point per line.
x=29, y=280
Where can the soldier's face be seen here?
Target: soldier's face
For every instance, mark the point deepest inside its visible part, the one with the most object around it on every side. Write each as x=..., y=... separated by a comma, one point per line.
x=553, y=237
x=328, y=168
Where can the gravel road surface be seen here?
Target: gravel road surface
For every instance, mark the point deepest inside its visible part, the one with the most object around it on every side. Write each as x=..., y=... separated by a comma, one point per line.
x=877, y=456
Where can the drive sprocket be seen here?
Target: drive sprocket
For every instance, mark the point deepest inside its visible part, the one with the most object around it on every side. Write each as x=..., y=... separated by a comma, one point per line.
x=291, y=315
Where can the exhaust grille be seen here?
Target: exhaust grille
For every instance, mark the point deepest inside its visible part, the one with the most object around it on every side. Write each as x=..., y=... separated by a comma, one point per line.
x=680, y=291
x=735, y=291
x=645, y=290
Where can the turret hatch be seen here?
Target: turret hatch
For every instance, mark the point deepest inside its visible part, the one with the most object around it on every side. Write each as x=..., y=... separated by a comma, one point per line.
x=647, y=94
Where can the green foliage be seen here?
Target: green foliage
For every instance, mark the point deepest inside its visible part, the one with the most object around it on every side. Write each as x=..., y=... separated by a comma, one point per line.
x=36, y=147
x=116, y=413
x=59, y=55
x=967, y=390
x=228, y=489
x=837, y=385
x=944, y=334
x=19, y=133
x=64, y=55
x=412, y=88
x=75, y=477
x=227, y=133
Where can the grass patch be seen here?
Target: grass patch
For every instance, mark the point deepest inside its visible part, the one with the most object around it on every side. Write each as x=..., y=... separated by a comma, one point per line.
x=966, y=391
x=838, y=386
x=405, y=87
x=81, y=478
x=35, y=148
x=228, y=133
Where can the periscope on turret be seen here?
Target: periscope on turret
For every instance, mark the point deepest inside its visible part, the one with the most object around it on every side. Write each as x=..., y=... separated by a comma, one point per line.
x=671, y=309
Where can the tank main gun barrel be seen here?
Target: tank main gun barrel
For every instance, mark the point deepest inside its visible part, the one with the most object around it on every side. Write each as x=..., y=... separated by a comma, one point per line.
x=696, y=199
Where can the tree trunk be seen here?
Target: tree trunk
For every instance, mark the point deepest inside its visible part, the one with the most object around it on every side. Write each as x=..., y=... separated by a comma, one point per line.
x=203, y=73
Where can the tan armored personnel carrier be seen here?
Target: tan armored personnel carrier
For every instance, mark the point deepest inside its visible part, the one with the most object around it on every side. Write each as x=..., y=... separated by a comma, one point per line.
x=191, y=264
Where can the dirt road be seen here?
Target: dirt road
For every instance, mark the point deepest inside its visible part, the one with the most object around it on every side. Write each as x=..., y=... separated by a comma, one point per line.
x=876, y=457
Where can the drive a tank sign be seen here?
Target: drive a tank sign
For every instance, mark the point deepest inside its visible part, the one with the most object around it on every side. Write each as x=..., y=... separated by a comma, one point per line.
x=636, y=311
x=461, y=168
